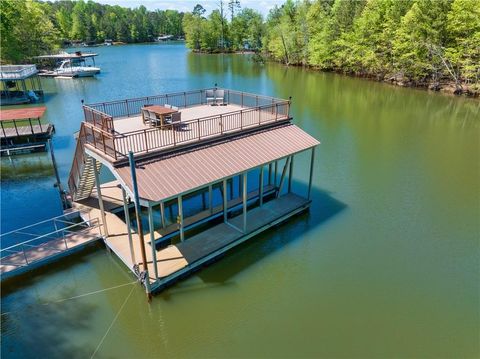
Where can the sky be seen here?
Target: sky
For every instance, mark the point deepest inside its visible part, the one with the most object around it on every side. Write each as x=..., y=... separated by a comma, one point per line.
x=262, y=6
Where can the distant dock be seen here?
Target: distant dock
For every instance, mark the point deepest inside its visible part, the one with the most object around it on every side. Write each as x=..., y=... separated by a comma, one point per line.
x=22, y=130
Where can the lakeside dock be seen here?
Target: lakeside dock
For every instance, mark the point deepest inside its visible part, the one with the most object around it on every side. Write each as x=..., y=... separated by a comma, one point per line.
x=196, y=174
x=22, y=130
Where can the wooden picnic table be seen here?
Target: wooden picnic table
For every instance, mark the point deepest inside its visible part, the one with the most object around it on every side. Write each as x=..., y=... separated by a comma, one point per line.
x=160, y=112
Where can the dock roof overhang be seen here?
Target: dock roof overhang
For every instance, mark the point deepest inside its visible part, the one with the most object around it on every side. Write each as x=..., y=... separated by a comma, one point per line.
x=22, y=113
x=168, y=176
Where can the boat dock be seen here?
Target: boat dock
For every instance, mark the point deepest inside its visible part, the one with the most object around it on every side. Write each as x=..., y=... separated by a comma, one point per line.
x=45, y=242
x=196, y=173
x=22, y=130
x=20, y=84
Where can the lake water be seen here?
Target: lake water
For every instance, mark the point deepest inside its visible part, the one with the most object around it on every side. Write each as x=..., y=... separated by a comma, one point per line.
x=385, y=264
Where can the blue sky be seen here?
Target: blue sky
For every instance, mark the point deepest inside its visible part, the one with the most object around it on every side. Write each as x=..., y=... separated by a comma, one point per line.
x=262, y=6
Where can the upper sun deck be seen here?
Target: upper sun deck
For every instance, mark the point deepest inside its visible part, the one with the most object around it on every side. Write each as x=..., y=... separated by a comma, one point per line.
x=115, y=128
x=17, y=72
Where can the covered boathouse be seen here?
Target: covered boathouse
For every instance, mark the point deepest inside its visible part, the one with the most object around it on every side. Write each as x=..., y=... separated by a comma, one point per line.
x=192, y=174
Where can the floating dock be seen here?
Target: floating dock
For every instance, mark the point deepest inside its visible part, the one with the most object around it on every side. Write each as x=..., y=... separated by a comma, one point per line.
x=22, y=130
x=188, y=190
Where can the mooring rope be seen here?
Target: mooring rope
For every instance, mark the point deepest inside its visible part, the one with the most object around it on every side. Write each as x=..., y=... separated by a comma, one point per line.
x=112, y=323
x=71, y=298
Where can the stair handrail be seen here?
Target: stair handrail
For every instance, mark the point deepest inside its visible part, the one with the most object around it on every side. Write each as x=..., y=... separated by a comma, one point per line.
x=78, y=161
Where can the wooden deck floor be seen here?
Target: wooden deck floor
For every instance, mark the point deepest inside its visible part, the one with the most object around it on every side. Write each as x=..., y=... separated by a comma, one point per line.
x=47, y=250
x=21, y=131
x=178, y=257
x=215, y=238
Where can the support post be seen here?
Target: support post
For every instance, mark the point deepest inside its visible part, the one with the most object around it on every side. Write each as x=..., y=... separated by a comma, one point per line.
x=152, y=240
x=275, y=175
x=129, y=226
x=270, y=174
x=312, y=162
x=100, y=198
x=225, y=200
x=260, y=190
x=162, y=214
x=290, y=173
x=240, y=185
x=244, y=195
x=139, y=223
x=210, y=199
x=282, y=179
x=230, y=182
x=180, y=218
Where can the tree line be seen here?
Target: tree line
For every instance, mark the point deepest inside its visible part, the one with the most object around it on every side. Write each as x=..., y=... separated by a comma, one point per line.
x=412, y=42
x=31, y=27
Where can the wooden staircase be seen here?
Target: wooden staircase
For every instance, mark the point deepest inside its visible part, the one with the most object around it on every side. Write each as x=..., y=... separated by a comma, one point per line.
x=82, y=176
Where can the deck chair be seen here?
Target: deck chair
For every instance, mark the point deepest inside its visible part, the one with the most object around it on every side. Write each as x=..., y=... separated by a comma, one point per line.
x=153, y=120
x=210, y=96
x=220, y=97
x=145, y=115
x=174, y=108
x=167, y=105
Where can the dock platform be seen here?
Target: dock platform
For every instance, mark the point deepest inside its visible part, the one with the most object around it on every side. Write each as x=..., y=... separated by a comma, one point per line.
x=48, y=241
x=194, y=185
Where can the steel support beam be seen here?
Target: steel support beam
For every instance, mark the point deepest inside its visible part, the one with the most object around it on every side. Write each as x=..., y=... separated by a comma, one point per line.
x=260, y=190
x=129, y=226
x=282, y=179
x=100, y=198
x=290, y=174
x=244, y=195
x=312, y=163
x=225, y=200
x=162, y=214
x=210, y=198
x=139, y=223
x=180, y=218
x=152, y=241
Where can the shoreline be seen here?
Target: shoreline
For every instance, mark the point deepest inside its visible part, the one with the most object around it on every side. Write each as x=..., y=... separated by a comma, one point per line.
x=445, y=87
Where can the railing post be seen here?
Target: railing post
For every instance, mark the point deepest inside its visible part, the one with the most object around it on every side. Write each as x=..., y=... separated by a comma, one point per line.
x=221, y=124
x=25, y=255
x=198, y=128
x=241, y=119
x=259, y=116
x=242, y=99
x=114, y=148
x=104, y=145
x=146, y=142
x=288, y=106
x=126, y=106
x=184, y=99
x=276, y=112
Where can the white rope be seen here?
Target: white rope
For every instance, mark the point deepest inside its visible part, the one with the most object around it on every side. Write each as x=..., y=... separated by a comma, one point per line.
x=90, y=293
x=113, y=322
x=69, y=298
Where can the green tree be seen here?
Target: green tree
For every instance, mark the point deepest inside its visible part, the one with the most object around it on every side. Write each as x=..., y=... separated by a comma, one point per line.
x=26, y=30
x=463, y=52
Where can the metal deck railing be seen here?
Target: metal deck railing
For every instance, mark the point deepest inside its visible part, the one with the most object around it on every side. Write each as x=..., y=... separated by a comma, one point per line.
x=98, y=130
x=17, y=72
x=45, y=239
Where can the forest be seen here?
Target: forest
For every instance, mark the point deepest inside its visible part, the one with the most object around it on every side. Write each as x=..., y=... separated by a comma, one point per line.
x=429, y=43
x=30, y=27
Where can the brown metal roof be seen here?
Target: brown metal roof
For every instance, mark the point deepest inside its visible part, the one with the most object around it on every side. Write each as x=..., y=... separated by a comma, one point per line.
x=160, y=179
x=22, y=113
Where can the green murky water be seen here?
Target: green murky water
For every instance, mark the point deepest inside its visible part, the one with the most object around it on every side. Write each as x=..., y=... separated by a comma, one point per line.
x=386, y=264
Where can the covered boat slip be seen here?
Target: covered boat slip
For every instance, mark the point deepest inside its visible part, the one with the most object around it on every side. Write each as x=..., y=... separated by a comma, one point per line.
x=20, y=84
x=24, y=128
x=184, y=204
